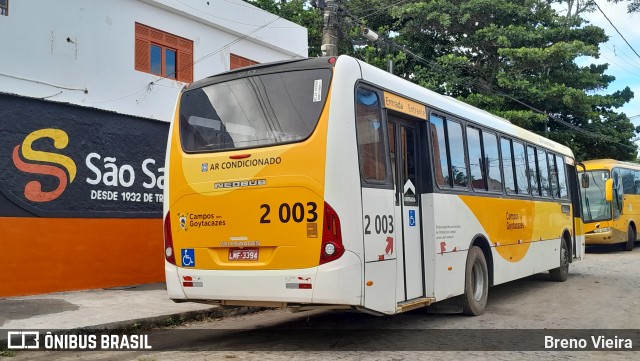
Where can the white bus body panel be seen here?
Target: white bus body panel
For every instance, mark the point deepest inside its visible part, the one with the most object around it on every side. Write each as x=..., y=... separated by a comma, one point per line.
x=342, y=175
x=580, y=247
x=380, y=266
x=337, y=282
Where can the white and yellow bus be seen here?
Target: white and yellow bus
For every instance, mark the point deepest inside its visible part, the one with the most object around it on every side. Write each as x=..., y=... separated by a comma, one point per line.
x=611, y=202
x=329, y=183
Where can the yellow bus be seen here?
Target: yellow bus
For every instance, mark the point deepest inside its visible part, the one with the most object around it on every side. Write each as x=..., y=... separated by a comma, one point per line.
x=329, y=183
x=611, y=202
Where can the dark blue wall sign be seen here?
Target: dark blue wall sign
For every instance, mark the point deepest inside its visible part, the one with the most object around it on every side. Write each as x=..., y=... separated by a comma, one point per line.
x=61, y=160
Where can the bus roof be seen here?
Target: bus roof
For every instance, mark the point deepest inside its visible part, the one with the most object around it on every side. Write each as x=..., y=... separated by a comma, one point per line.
x=455, y=107
x=608, y=164
x=397, y=85
x=277, y=66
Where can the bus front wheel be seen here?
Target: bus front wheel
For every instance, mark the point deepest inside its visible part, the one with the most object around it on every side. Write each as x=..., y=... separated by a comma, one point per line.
x=476, y=283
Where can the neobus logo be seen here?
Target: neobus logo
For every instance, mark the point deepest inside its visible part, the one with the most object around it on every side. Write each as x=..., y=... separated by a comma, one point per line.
x=239, y=184
x=33, y=189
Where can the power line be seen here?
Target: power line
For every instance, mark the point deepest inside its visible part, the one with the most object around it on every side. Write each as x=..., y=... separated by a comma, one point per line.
x=618, y=50
x=235, y=21
x=382, y=9
x=616, y=29
x=85, y=90
x=484, y=88
x=636, y=66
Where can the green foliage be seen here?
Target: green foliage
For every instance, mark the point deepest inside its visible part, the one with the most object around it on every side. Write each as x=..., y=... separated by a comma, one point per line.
x=299, y=12
x=633, y=6
x=516, y=59
x=7, y=353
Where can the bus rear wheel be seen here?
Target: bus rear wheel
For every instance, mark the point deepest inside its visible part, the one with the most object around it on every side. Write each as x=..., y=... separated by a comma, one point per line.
x=476, y=283
x=631, y=239
x=561, y=273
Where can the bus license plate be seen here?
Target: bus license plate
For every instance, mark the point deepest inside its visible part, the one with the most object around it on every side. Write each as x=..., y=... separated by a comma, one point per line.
x=246, y=254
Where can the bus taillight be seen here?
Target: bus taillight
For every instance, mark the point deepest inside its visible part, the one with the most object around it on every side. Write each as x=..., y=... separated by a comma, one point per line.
x=332, y=247
x=169, y=254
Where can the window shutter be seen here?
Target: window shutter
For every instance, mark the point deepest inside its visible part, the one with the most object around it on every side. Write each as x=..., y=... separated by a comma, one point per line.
x=142, y=55
x=145, y=36
x=239, y=62
x=185, y=67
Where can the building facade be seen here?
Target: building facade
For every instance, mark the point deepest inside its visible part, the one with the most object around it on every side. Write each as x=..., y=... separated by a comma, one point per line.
x=87, y=89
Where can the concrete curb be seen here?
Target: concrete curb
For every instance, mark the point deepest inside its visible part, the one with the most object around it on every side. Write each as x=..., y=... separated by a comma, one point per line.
x=174, y=319
x=147, y=324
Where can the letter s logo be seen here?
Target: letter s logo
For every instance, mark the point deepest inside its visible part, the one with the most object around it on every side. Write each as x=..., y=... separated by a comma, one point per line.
x=33, y=190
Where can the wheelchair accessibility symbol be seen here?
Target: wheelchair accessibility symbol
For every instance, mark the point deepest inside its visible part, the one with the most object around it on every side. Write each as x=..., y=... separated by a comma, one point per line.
x=188, y=258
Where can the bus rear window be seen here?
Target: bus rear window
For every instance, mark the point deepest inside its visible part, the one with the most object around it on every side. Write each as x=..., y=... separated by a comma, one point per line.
x=254, y=111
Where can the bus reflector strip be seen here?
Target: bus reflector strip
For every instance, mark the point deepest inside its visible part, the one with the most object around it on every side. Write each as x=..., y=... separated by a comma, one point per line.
x=301, y=286
x=192, y=284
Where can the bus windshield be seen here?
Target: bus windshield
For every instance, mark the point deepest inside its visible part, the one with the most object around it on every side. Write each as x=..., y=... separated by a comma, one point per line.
x=594, y=206
x=253, y=111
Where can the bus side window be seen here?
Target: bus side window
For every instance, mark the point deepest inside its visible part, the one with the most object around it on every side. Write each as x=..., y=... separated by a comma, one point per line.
x=439, y=149
x=392, y=153
x=533, y=170
x=520, y=160
x=371, y=150
x=545, y=181
x=476, y=160
x=553, y=175
x=618, y=193
x=507, y=166
x=562, y=177
x=492, y=161
x=628, y=181
x=457, y=154
x=636, y=181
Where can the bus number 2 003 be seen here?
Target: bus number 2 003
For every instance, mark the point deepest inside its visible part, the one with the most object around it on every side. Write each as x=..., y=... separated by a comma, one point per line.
x=288, y=212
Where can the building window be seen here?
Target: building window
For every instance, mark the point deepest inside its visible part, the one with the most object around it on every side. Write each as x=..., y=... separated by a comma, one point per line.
x=239, y=62
x=4, y=7
x=163, y=54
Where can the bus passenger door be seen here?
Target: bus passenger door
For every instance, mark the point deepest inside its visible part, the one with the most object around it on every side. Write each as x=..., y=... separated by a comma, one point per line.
x=403, y=138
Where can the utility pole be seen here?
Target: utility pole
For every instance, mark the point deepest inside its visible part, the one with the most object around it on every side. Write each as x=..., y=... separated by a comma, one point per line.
x=329, y=30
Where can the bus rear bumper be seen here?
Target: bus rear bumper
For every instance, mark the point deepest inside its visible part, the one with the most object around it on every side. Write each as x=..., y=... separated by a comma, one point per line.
x=337, y=282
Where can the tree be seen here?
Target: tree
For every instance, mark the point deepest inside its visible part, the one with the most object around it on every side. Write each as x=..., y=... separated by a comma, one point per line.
x=516, y=59
x=300, y=12
x=633, y=6
x=577, y=7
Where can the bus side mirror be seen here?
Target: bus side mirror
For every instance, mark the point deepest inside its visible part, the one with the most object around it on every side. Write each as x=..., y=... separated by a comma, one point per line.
x=608, y=190
x=584, y=180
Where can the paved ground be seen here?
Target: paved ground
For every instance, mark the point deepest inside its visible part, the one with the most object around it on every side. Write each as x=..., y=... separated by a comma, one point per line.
x=112, y=308
x=601, y=293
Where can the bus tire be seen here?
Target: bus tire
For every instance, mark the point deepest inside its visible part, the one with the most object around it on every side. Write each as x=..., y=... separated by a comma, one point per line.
x=631, y=239
x=476, y=283
x=561, y=273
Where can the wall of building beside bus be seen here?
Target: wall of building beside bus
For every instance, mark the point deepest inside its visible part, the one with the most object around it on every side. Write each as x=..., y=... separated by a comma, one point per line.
x=134, y=56
x=80, y=197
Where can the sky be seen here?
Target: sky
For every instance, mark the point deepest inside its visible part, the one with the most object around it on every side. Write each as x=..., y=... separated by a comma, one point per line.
x=623, y=62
